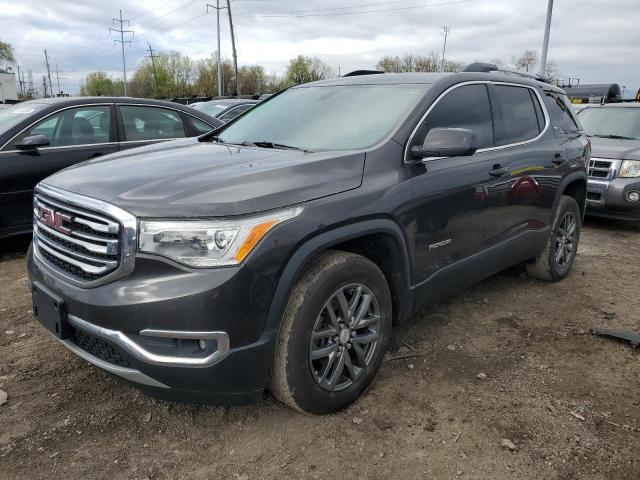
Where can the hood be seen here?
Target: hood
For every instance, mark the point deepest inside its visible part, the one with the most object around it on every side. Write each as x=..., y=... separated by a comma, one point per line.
x=187, y=178
x=615, y=149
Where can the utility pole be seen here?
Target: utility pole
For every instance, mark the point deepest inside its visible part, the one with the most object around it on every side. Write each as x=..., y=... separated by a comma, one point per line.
x=219, y=63
x=58, y=77
x=233, y=46
x=122, y=41
x=545, y=43
x=20, y=81
x=44, y=86
x=46, y=58
x=445, y=32
x=153, y=63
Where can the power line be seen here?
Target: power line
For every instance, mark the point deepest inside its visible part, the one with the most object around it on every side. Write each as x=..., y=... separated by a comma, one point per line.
x=58, y=77
x=122, y=42
x=284, y=15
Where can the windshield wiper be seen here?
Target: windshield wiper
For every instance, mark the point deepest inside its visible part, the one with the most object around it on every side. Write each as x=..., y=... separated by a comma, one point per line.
x=615, y=137
x=265, y=144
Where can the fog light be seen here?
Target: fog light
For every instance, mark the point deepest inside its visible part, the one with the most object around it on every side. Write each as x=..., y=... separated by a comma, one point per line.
x=633, y=197
x=202, y=344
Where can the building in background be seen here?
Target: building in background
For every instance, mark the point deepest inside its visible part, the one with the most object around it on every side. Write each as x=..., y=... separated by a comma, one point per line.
x=8, y=89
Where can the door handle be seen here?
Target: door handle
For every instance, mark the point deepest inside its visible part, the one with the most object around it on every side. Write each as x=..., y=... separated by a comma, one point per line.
x=559, y=159
x=498, y=171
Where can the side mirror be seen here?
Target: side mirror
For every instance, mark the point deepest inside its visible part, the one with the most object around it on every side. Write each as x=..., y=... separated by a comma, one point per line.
x=33, y=142
x=446, y=142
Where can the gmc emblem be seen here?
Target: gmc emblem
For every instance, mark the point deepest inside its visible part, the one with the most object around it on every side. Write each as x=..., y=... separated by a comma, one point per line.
x=55, y=220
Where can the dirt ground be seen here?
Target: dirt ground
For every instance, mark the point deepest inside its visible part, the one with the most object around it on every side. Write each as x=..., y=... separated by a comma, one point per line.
x=569, y=401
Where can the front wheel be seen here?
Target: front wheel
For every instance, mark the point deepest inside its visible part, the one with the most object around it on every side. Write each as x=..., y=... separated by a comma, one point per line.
x=555, y=262
x=334, y=334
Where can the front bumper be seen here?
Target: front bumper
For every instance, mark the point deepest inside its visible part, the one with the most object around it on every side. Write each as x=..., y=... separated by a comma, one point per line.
x=606, y=198
x=146, y=329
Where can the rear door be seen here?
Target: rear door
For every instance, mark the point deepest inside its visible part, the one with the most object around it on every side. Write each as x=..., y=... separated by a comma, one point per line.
x=524, y=144
x=144, y=124
x=75, y=134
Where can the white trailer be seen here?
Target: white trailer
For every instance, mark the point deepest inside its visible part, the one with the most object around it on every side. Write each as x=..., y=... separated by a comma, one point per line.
x=8, y=89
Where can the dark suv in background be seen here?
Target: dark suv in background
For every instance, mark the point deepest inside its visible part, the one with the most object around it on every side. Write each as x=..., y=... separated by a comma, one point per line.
x=278, y=251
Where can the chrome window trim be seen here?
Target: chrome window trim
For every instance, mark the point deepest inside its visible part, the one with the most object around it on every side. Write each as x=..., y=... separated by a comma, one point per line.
x=49, y=115
x=128, y=234
x=138, y=351
x=547, y=118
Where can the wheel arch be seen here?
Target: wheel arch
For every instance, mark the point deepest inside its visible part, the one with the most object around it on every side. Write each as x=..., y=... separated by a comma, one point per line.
x=574, y=185
x=379, y=240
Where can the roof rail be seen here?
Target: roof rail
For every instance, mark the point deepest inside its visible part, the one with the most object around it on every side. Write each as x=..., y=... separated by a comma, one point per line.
x=490, y=67
x=357, y=73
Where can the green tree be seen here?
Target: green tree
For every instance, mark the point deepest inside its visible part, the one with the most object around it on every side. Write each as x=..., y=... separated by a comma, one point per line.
x=253, y=79
x=6, y=54
x=307, y=69
x=417, y=63
x=97, y=84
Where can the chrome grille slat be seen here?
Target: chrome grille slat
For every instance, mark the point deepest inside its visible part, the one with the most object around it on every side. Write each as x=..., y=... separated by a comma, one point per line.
x=110, y=247
x=109, y=264
x=92, y=269
x=602, y=168
x=112, y=227
x=82, y=245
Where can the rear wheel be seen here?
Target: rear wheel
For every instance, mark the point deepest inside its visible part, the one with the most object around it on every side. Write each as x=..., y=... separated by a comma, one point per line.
x=555, y=262
x=334, y=334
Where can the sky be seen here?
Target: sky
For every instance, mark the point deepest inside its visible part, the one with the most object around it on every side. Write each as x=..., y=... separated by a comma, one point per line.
x=594, y=40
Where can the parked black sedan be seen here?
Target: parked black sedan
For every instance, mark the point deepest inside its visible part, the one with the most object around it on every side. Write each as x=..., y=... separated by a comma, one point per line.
x=40, y=137
x=225, y=109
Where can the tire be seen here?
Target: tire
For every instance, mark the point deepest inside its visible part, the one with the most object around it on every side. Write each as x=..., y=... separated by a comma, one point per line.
x=552, y=265
x=304, y=374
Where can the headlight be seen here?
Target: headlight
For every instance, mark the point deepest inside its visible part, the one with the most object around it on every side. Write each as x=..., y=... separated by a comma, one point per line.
x=209, y=243
x=630, y=169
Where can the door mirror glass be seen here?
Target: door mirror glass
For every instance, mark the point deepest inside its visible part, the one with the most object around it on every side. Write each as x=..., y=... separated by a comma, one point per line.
x=446, y=142
x=33, y=142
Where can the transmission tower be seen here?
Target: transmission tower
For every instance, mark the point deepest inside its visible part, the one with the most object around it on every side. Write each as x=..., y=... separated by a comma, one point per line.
x=122, y=41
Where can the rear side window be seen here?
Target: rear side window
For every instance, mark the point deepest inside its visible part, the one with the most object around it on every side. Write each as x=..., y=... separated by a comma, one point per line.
x=560, y=113
x=200, y=127
x=516, y=117
x=464, y=107
x=151, y=123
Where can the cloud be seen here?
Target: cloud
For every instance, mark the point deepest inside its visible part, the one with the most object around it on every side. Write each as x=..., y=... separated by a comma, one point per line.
x=588, y=41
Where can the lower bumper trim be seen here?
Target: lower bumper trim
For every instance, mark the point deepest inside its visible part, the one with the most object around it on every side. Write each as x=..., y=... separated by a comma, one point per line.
x=127, y=373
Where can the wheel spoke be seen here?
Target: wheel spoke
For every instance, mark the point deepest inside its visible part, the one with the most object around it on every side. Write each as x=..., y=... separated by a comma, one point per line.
x=332, y=316
x=323, y=352
x=362, y=311
x=572, y=229
x=355, y=299
x=337, y=372
x=344, y=306
x=327, y=368
x=361, y=360
x=365, y=338
x=326, y=333
x=348, y=364
x=559, y=256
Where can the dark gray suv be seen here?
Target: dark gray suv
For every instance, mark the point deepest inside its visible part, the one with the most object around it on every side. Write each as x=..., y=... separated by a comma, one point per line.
x=278, y=251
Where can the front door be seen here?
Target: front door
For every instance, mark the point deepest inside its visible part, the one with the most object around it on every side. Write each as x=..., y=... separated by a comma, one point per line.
x=459, y=202
x=75, y=135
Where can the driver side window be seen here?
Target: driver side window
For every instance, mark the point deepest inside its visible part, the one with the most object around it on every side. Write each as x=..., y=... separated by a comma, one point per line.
x=463, y=107
x=74, y=126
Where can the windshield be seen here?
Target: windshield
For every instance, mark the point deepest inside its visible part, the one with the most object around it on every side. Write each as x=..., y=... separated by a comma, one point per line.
x=12, y=116
x=326, y=118
x=617, y=122
x=211, y=108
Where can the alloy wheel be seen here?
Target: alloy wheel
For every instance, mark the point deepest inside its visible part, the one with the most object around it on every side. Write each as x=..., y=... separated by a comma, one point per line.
x=344, y=337
x=565, y=240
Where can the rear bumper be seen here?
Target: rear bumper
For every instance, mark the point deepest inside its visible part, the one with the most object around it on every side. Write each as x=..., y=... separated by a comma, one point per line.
x=176, y=342
x=607, y=198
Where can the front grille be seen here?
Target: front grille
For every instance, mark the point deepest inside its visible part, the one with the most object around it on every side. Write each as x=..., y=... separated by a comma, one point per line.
x=601, y=169
x=80, y=243
x=99, y=348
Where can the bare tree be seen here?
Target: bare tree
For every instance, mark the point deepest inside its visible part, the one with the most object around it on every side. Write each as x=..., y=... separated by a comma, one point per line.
x=527, y=61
